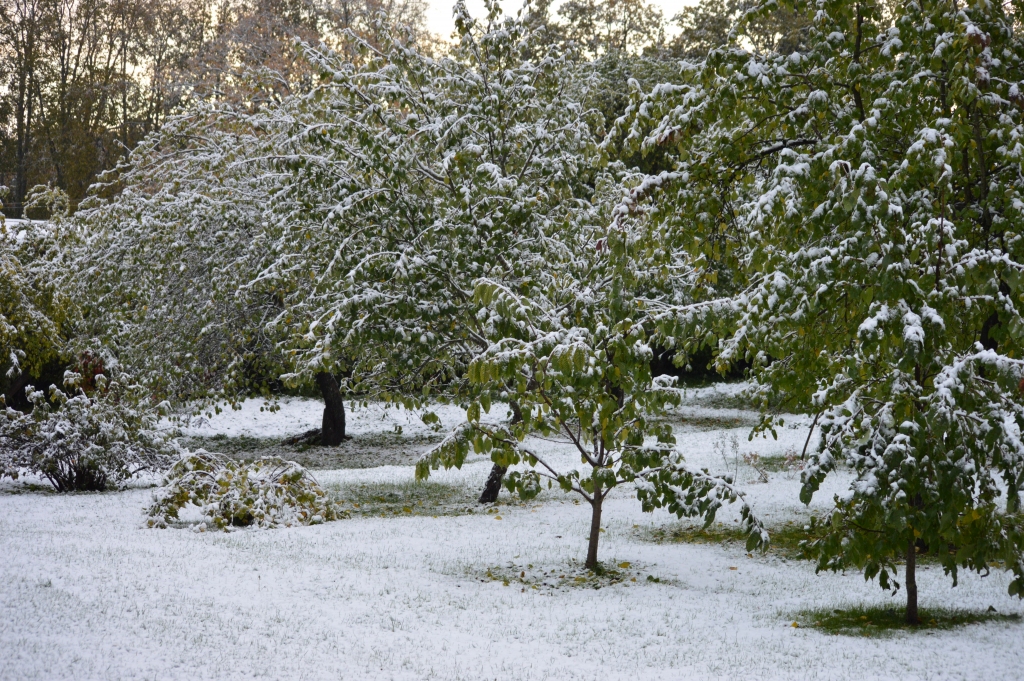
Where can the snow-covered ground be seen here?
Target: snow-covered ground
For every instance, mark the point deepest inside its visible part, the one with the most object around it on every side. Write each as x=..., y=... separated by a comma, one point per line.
x=87, y=593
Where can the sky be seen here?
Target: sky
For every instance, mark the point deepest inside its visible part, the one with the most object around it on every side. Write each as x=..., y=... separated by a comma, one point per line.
x=439, y=14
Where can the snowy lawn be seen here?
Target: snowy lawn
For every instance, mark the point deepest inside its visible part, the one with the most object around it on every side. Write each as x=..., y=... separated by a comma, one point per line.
x=86, y=592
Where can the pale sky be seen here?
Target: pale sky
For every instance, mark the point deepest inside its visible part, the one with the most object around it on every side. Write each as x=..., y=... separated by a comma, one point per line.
x=439, y=14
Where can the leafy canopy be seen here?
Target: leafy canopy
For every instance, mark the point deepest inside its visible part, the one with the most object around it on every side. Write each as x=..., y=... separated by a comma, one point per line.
x=869, y=187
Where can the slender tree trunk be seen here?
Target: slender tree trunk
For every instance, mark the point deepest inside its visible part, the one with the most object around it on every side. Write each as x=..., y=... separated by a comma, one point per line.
x=332, y=431
x=493, y=485
x=595, y=528
x=912, y=617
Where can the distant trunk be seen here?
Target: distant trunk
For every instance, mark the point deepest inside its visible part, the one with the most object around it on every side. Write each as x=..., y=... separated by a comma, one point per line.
x=497, y=474
x=15, y=397
x=912, y=616
x=332, y=431
x=595, y=528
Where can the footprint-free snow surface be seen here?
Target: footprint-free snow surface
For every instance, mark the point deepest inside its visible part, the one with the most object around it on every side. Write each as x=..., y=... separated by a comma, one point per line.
x=86, y=592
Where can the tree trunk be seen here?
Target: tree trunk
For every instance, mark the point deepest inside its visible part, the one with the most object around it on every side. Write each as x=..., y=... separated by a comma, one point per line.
x=912, y=617
x=332, y=432
x=15, y=397
x=493, y=485
x=595, y=529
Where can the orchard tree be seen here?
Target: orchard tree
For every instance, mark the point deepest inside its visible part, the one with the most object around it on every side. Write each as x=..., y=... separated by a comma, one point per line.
x=871, y=186
x=340, y=231
x=572, y=348
x=172, y=263
x=421, y=175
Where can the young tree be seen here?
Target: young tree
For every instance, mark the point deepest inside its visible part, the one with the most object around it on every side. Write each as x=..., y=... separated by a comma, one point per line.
x=871, y=186
x=456, y=216
x=571, y=348
x=494, y=250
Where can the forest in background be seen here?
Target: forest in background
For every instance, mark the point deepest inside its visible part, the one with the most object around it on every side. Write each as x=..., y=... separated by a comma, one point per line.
x=82, y=82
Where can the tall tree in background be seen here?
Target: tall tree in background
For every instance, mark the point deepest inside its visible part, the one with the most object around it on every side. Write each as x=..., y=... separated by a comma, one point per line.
x=713, y=23
x=86, y=80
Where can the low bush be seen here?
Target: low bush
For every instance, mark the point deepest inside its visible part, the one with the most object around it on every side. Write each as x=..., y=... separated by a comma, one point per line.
x=83, y=441
x=269, y=492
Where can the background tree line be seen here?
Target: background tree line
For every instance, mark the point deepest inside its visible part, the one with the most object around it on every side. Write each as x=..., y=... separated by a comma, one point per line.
x=83, y=81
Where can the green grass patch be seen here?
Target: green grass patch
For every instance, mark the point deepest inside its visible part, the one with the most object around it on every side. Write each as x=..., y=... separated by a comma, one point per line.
x=241, y=447
x=779, y=463
x=785, y=537
x=426, y=498
x=885, y=621
x=20, y=487
x=573, y=576
x=709, y=423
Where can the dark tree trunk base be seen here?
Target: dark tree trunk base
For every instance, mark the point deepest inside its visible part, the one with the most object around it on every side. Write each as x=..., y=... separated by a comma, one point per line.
x=332, y=431
x=493, y=485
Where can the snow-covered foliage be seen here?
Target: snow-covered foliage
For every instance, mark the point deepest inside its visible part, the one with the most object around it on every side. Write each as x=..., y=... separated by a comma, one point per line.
x=81, y=441
x=269, y=492
x=34, y=310
x=870, y=187
x=430, y=174
x=169, y=244
x=559, y=313
x=444, y=227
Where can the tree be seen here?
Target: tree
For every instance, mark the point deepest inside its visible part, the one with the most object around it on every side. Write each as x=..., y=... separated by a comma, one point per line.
x=86, y=80
x=168, y=262
x=714, y=23
x=870, y=187
x=495, y=249
x=36, y=314
x=204, y=261
x=702, y=28
x=571, y=348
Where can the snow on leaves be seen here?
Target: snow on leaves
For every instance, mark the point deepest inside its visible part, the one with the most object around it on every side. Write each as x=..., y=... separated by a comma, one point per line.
x=871, y=184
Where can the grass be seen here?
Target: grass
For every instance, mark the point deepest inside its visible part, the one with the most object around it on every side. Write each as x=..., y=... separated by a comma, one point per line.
x=20, y=487
x=785, y=538
x=881, y=622
x=360, y=451
x=571, y=576
x=396, y=499
x=709, y=423
x=249, y=448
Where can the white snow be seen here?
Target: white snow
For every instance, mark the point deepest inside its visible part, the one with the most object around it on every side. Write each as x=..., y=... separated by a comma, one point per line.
x=87, y=593
x=296, y=415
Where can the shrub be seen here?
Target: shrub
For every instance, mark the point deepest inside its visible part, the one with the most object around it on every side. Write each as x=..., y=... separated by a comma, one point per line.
x=80, y=441
x=269, y=492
